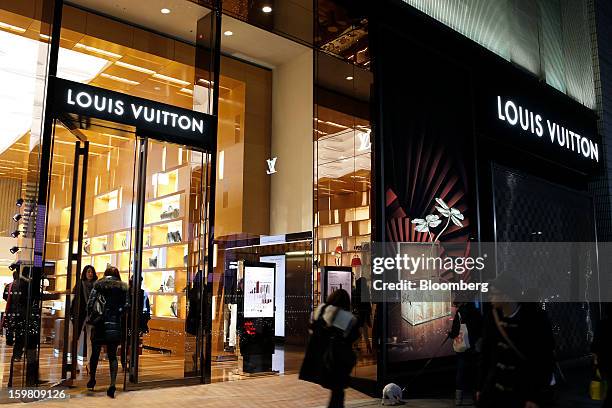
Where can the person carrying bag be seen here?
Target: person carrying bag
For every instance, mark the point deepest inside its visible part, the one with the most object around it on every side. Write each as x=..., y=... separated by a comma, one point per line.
x=329, y=357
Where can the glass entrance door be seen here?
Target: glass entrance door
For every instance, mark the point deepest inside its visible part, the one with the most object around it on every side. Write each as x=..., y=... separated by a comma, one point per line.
x=91, y=225
x=118, y=199
x=168, y=306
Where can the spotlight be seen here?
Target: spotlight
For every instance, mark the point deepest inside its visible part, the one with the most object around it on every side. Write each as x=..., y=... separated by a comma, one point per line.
x=14, y=249
x=16, y=217
x=266, y=9
x=14, y=266
x=19, y=202
x=15, y=233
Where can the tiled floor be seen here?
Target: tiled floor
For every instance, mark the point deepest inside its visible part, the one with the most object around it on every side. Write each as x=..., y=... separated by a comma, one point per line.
x=269, y=392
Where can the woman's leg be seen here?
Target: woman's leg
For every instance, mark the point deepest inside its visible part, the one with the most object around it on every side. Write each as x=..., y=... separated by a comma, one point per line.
x=93, y=360
x=337, y=398
x=111, y=351
x=88, y=339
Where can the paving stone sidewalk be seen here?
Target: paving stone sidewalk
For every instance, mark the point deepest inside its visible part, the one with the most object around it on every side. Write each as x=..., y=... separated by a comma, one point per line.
x=269, y=392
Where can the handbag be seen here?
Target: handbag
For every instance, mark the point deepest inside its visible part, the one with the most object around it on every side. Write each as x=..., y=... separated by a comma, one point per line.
x=97, y=311
x=461, y=343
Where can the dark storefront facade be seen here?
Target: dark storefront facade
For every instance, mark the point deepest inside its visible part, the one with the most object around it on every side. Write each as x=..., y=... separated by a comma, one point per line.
x=514, y=155
x=197, y=142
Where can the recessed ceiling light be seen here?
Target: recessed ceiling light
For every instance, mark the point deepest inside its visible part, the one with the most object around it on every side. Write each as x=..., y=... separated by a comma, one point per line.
x=349, y=78
x=228, y=33
x=266, y=9
x=165, y=11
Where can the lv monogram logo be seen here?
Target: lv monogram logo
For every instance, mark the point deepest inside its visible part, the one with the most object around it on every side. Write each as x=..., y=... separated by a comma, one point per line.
x=364, y=141
x=271, y=165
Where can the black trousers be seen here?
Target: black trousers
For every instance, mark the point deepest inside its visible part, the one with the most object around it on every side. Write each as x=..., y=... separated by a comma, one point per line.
x=111, y=352
x=337, y=398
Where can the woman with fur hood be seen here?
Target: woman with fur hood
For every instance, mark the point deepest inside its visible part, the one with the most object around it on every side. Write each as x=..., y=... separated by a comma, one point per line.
x=108, y=302
x=329, y=357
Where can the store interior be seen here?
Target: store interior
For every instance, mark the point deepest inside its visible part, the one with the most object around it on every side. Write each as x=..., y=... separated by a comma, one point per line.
x=266, y=111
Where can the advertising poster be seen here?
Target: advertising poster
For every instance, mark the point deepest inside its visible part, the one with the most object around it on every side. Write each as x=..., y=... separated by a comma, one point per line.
x=258, y=291
x=339, y=280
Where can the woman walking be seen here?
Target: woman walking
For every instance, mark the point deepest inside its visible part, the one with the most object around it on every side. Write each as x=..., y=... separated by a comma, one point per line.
x=108, y=301
x=329, y=357
x=79, y=313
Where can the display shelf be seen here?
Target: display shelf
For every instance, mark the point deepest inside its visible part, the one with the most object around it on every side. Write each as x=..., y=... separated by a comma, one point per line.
x=108, y=201
x=162, y=222
x=164, y=197
x=165, y=183
x=121, y=241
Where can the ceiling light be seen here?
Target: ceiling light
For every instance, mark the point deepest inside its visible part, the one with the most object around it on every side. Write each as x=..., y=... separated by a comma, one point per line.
x=266, y=9
x=165, y=11
x=119, y=79
x=171, y=79
x=97, y=50
x=134, y=67
x=349, y=78
x=228, y=33
x=19, y=81
x=12, y=27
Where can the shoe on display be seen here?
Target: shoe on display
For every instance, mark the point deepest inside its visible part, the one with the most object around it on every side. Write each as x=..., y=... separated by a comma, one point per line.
x=169, y=237
x=173, y=309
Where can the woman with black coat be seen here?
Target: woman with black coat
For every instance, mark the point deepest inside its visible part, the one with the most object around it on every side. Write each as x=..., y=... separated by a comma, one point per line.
x=111, y=296
x=329, y=357
x=78, y=313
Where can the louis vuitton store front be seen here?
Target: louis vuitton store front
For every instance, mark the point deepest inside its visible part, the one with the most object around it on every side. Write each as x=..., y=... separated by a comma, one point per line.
x=127, y=130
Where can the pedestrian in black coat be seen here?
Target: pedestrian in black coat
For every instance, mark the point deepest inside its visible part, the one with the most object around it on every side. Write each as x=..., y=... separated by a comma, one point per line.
x=329, y=356
x=465, y=379
x=114, y=295
x=517, y=359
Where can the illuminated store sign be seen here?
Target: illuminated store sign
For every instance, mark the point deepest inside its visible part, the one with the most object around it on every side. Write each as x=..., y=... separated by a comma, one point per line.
x=165, y=121
x=271, y=166
x=548, y=130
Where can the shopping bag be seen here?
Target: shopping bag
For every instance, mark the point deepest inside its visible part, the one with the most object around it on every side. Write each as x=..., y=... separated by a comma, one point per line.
x=461, y=343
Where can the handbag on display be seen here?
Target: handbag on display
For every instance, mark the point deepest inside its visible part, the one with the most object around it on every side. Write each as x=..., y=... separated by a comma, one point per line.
x=170, y=283
x=153, y=262
x=461, y=343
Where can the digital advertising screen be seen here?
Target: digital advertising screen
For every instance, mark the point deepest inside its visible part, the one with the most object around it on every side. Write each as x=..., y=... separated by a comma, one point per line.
x=338, y=279
x=259, y=291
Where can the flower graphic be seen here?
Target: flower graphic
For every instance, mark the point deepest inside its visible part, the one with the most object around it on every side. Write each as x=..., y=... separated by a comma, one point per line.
x=424, y=225
x=452, y=214
x=432, y=220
